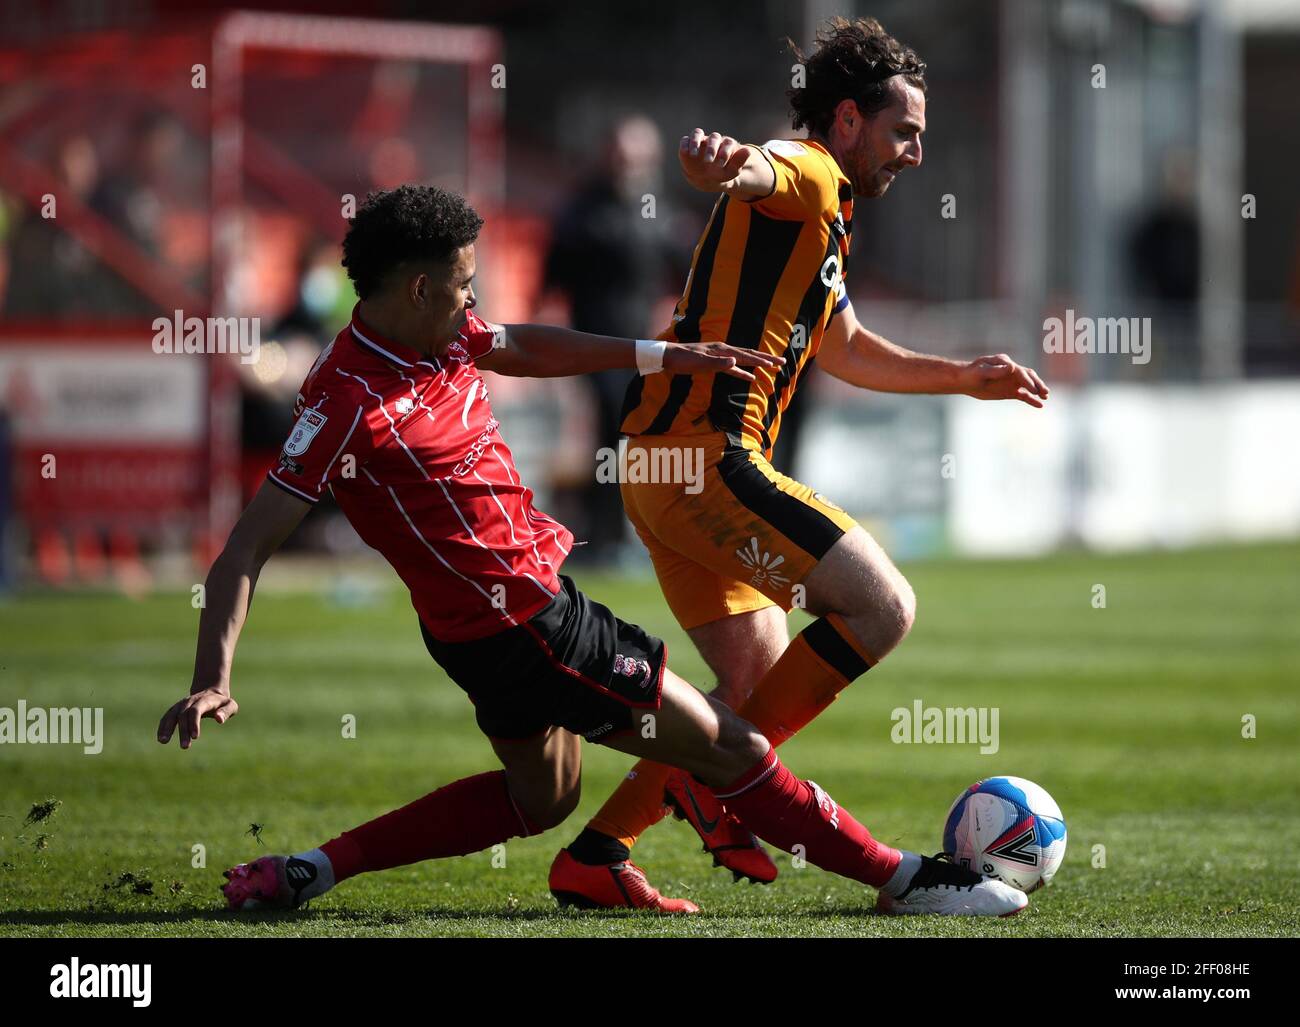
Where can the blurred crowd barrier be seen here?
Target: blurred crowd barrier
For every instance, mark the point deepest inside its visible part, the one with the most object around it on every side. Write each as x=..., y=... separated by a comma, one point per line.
x=1106, y=467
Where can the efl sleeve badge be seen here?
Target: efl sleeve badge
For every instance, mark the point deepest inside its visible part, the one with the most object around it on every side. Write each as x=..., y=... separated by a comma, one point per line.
x=304, y=431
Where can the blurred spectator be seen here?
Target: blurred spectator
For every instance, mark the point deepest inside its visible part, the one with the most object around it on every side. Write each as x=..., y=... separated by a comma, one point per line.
x=614, y=256
x=50, y=272
x=154, y=194
x=132, y=194
x=325, y=298
x=1165, y=252
x=1165, y=247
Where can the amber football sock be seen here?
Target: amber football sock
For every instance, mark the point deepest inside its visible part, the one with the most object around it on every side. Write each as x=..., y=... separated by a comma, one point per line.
x=820, y=663
x=636, y=804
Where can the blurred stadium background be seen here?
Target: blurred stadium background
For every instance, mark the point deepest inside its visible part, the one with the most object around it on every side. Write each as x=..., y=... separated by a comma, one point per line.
x=199, y=159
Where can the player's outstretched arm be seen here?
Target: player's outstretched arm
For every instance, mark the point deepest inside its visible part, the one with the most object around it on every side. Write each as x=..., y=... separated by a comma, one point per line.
x=860, y=357
x=228, y=593
x=545, y=351
x=716, y=163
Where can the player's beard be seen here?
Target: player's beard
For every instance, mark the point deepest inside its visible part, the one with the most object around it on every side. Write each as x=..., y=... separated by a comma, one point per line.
x=874, y=185
x=867, y=173
x=884, y=178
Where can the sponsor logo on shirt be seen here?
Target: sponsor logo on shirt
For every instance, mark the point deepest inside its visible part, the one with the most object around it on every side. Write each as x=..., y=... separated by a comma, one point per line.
x=784, y=147
x=476, y=450
x=763, y=564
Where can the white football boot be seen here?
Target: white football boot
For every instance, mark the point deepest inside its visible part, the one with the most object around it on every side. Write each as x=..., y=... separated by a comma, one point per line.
x=941, y=886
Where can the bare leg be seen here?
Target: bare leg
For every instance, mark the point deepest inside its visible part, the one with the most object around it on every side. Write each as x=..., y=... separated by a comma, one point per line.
x=544, y=775
x=697, y=733
x=858, y=581
x=740, y=649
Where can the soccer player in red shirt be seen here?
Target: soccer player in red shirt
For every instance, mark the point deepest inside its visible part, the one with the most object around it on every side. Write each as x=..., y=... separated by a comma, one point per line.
x=394, y=420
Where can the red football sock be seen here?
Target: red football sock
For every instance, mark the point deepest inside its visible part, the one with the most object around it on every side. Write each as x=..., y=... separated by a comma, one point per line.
x=783, y=810
x=463, y=817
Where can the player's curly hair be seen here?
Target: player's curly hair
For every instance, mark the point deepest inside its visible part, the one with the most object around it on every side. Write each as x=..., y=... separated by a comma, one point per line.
x=411, y=222
x=854, y=60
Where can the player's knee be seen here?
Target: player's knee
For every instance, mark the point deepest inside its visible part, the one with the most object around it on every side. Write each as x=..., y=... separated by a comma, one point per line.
x=902, y=607
x=735, y=685
x=744, y=670
x=882, y=616
x=893, y=615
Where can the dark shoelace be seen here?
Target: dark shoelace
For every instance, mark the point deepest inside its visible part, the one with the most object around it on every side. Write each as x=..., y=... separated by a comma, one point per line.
x=940, y=870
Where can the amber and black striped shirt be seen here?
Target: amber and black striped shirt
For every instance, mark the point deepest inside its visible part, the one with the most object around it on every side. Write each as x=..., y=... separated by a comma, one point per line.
x=766, y=274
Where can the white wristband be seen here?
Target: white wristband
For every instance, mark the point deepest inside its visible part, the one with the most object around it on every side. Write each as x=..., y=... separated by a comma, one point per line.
x=650, y=355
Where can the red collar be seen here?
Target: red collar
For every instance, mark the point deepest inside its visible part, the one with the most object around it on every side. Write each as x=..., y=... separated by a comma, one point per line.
x=394, y=352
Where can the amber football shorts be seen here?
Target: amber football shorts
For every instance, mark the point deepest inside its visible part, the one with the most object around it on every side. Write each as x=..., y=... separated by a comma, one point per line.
x=737, y=536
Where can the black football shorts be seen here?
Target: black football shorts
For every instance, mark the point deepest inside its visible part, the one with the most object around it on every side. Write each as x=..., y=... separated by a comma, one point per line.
x=573, y=665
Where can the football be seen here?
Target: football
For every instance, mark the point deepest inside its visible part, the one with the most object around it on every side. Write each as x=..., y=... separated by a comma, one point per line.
x=1007, y=828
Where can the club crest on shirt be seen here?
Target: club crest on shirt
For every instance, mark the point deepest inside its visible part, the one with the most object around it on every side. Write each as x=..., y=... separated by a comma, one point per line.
x=304, y=431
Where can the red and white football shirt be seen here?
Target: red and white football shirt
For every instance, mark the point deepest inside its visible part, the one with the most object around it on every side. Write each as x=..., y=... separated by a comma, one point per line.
x=412, y=454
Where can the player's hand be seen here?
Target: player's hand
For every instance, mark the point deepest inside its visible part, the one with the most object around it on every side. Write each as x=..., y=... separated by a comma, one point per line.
x=186, y=714
x=712, y=162
x=1000, y=377
x=710, y=357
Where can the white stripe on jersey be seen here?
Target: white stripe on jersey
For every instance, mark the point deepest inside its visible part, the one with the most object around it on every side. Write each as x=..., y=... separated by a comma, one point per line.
x=416, y=397
x=446, y=380
x=505, y=613
x=481, y=544
x=531, y=527
x=391, y=423
x=509, y=522
x=469, y=401
x=533, y=512
x=341, y=445
x=542, y=529
x=438, y=368
x=313, y=500
x=505, y=466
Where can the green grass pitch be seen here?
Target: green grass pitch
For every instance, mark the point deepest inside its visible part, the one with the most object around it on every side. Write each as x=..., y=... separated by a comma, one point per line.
x=1131, y=716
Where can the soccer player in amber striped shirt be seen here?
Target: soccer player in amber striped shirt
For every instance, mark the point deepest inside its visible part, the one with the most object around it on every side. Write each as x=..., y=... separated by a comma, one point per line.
x=733, y=556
